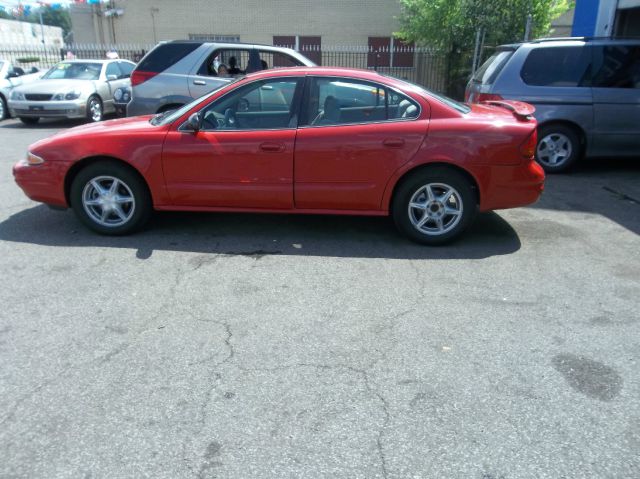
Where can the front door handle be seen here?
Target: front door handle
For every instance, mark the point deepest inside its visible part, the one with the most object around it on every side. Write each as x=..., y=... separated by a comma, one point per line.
x=272, y=147
x=199, y=82
x=393, y=142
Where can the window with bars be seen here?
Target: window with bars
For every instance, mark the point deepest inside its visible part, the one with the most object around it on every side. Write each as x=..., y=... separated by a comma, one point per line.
x=208, y=37
x=389, y=52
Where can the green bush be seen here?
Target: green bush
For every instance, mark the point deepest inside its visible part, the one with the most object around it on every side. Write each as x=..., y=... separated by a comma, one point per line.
x=28, y=59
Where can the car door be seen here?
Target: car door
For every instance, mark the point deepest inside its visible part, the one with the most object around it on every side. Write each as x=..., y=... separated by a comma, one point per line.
x=115, y=79
x=354, y=135
x=616, y=98
x=242, y=157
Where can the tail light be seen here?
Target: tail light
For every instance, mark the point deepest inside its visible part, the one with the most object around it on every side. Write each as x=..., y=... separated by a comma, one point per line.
x=480, y=97
x=138, y=77
x=528, y=148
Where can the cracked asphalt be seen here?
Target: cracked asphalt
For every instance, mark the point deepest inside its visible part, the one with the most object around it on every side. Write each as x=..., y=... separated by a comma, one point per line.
x=248, y=346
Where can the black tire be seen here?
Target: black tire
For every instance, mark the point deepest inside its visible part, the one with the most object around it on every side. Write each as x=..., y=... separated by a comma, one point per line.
x=131, y=185
x=552, y=141
x=92, y=115
x=4, y=109
x=439, y=180
x=29, y=120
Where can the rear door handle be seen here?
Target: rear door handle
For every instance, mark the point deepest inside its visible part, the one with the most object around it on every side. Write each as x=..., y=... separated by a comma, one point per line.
x=270, y=146
x=199, y=82
x=393, y=142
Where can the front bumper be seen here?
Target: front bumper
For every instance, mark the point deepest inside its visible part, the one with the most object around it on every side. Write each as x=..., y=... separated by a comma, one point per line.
x=511, y=186
x=48, y=109
x=43, y=183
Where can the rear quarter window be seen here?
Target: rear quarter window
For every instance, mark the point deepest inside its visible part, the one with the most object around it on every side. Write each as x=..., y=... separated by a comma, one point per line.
x=166, y=55
x=557, y=67
x=490, y=69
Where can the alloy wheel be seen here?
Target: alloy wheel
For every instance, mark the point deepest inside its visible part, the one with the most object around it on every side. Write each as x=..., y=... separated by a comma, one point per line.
x=95, y=110
x=554, y=149
x=435, y=209
x=108, y=201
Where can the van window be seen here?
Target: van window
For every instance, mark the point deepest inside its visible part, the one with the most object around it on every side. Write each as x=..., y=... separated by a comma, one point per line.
x=490, y=69
x=557, y=67
x=616, y=66
x=165, y=55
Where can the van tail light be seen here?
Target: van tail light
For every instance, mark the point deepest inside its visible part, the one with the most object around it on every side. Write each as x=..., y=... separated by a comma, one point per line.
x=480, y=97
x=138, y=77
x=528, y=147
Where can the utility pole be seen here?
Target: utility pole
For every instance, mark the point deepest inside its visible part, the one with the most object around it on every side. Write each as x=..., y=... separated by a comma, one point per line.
x=154, y=10
x=41, y=24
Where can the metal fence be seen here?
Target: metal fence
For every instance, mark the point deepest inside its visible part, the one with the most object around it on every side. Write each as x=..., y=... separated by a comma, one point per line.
x=424, y=66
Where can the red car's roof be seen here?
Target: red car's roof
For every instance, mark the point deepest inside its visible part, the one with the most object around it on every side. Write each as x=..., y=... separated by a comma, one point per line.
x=325, y=71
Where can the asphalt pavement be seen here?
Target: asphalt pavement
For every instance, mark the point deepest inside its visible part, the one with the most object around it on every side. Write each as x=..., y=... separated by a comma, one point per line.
x=277, y=346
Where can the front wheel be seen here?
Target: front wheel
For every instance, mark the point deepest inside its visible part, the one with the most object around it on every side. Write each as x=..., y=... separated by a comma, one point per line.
x=110, y=199
x=4, y=109
x=94, y=109
x=558, y=148
x=434, y=206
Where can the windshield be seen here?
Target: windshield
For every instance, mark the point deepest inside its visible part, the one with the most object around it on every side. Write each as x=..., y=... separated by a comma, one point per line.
x=456, y=105
x=172, y=115
x=74, y=71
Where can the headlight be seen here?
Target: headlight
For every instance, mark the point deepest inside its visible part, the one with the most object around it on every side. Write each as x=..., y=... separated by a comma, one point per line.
x=72, y=95
x=33, y=159
x=126, y=96
x=117, y=95
x=16, y=95
x=58, y=97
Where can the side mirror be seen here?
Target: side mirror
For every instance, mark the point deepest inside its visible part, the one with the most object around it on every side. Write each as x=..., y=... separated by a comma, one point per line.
x=112, y=77
x=195, y=121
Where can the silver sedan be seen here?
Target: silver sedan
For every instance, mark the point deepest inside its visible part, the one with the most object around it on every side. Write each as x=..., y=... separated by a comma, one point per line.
x=72, y=89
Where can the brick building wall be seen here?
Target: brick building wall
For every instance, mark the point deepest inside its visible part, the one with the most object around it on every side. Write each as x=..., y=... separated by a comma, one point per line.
x=337, y=22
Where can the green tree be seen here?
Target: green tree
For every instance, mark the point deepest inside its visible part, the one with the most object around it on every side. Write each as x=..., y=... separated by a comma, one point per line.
x=57, y=17
x=452, y=25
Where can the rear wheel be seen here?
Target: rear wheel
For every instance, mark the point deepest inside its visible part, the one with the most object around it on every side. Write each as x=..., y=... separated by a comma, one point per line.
x=110, y=199
x=558, y=148
x=434, y=206
x=29, y=120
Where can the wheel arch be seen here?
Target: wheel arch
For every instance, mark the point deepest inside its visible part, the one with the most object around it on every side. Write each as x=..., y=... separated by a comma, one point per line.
x=441, y=165
x=78, y=166
x=582, y=134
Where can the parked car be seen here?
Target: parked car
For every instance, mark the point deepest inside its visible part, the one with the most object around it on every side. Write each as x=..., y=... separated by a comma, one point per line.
x=586, y=93
x=10, y=77
x=174, y=73
x=301, y=140
x=72, y=89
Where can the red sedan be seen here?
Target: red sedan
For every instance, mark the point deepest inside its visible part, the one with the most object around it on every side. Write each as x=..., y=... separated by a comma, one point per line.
x=300, y=140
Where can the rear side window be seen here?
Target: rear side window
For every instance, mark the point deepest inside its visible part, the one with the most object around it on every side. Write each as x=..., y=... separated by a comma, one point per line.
x=490, y=69
x=616, y=66
x=557, y=67
x=165, y=55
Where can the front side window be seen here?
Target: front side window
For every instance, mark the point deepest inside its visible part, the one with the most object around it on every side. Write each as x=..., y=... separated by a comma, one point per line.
x=267, y=104
x=616, y=66
x=74, y=71
x=340, y=101
x=557, y=67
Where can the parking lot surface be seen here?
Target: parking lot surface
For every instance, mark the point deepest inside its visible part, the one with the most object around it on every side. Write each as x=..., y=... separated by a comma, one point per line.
x=276, y=346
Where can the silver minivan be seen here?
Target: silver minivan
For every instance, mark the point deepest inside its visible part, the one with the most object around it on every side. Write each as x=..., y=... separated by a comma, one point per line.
x=174, y=73
x=586, y=93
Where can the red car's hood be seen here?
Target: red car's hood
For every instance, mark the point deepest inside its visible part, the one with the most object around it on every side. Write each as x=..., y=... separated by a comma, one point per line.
x=119, y=125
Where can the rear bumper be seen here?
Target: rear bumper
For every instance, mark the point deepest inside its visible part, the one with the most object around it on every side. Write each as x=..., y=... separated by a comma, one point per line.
x=511, y=186
x=43, y=183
